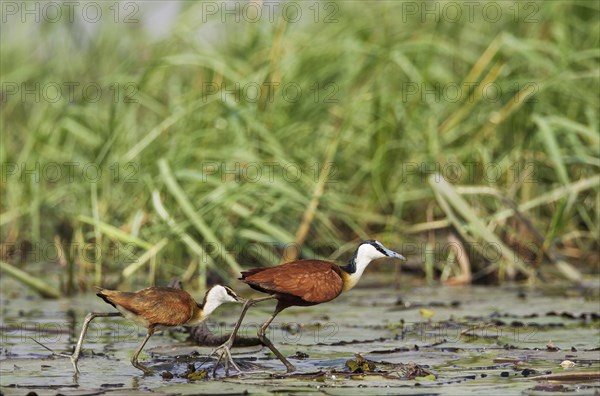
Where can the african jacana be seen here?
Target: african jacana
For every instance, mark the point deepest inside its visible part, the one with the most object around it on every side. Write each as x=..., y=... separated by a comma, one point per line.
x=157, y=308
x=305, y=283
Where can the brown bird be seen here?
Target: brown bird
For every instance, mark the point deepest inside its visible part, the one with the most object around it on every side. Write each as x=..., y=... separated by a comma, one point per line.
x=156, y=308
x=305, y=283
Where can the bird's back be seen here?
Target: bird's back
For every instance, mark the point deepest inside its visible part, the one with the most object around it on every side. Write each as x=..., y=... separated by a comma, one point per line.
x=302, y=282
x=154, y=306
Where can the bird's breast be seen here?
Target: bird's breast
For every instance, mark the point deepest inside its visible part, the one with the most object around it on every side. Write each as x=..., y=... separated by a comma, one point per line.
x=196, y=319
x=349, y=280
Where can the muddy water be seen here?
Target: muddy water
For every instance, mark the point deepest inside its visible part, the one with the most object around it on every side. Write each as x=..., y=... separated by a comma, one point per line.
x=473, y=340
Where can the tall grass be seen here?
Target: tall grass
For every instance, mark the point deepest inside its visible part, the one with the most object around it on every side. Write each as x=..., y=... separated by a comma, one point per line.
x=379, y=115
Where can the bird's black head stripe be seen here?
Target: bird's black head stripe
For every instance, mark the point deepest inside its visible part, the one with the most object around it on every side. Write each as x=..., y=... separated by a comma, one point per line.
x=230, y=291
x=377, y=246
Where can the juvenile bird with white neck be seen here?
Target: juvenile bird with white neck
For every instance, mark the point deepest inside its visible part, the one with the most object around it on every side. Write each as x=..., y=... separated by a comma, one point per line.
x=156, y=308
x=305, y=283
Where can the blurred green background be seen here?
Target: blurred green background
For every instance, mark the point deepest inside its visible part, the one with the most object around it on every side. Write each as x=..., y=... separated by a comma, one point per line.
x=144, y=141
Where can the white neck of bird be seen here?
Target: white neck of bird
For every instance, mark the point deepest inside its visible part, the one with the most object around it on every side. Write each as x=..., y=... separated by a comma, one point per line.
x=359, y=261
x=210, y=305
x=213, y=299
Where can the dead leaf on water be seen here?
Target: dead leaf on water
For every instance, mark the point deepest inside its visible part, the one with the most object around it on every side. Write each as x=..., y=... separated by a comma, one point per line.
x=193, y=375
x=411, y=371
x=426, y=313
x=360, y=365
x=567, y=364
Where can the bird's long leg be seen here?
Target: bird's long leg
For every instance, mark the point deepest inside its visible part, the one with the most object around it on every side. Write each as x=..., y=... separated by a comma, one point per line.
x=134, y=359
x=86, y=323
x=225, y=348
x=263, y=338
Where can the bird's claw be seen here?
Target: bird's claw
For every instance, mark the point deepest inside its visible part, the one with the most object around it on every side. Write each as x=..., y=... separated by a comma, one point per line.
x=224, y=351
x=74, y=363
x=141, y=367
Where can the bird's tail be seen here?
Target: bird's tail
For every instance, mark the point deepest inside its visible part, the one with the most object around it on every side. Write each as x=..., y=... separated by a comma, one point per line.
x=103, y=296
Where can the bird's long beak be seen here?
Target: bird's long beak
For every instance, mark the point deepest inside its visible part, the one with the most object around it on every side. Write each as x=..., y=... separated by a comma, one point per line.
x=239, y=299
x=391, y=253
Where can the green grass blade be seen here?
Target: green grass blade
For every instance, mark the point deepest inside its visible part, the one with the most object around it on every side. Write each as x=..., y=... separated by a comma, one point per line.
x=549, y=140
x=186, y=238
x=144, y=258
x=185, y=204
x=36, y=284
x=114, y=232
x=476, y=227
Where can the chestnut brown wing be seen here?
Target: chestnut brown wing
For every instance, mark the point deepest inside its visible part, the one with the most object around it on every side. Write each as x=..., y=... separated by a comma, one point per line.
x=158, y=305
x=313, y=281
